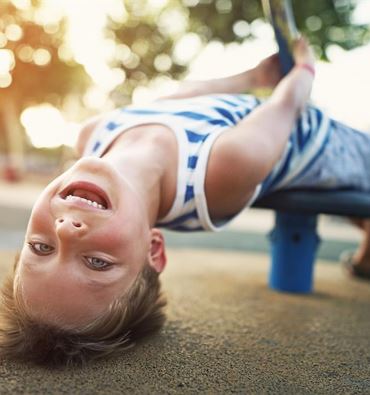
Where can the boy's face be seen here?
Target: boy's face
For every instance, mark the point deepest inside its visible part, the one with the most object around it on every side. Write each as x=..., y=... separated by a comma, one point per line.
x=77, y=258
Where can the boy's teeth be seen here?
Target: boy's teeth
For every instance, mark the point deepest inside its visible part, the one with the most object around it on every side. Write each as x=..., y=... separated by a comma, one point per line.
x=89, y=202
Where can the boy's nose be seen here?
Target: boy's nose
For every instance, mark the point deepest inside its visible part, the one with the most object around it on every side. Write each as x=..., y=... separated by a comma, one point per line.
x=70, y=227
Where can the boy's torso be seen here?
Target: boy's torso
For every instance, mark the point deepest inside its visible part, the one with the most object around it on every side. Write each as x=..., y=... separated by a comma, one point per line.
x=199, y=181
x=223, y=197
x=190, y=129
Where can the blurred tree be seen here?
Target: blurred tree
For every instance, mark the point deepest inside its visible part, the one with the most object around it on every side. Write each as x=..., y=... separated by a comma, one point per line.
x=324, y=22
x=33, y=68
x=145, y=44
x=147, y=37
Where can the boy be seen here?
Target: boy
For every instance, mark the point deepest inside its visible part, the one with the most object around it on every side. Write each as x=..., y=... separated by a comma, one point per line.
x=86, y=281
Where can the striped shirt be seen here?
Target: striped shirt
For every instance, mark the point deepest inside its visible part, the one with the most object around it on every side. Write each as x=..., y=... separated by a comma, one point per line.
x=196, y=123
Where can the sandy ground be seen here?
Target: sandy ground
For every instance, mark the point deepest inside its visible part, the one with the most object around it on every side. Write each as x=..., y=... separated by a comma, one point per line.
x=228, y=333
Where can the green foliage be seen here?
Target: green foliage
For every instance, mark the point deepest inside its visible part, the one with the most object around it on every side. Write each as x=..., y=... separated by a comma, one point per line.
x=216, y=19
x=327, y=22
x=324, y=22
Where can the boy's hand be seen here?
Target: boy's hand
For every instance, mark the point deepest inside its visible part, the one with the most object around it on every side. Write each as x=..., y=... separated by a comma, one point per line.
x=303, y=53
x=267, y=74
x=295, y=88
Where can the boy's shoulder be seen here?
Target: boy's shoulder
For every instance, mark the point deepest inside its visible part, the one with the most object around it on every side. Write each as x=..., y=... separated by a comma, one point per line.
x=85, y=132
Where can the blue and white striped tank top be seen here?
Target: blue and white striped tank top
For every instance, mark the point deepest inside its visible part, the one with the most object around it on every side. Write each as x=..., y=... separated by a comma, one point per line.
x=196, y=123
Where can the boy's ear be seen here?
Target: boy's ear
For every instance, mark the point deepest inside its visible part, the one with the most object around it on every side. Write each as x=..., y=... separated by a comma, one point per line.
x=157, y=253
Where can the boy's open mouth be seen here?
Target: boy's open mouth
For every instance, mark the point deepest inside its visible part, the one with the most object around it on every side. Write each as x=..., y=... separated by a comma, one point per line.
x=87, y=193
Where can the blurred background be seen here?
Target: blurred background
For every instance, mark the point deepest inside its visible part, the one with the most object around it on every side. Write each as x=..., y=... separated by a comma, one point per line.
x=62, y=61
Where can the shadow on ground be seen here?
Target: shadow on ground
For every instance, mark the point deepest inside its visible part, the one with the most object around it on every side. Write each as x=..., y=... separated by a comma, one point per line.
x=227, y=332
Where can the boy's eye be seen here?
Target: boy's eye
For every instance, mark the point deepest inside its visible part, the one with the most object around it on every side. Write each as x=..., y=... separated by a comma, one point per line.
x=97, y=263
x=41, y=248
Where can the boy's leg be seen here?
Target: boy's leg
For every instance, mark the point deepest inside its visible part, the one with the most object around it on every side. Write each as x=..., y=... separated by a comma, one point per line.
x=359, y=262
x=343, y=163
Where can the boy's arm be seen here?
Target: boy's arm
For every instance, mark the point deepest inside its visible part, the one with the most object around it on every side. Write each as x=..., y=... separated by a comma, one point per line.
x=252, y=148
x=265, y=75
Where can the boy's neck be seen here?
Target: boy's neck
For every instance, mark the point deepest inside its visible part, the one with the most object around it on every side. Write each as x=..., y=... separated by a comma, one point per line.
x=142, y=156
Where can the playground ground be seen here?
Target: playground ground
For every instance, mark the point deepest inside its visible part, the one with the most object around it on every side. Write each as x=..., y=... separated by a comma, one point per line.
x=226, y=332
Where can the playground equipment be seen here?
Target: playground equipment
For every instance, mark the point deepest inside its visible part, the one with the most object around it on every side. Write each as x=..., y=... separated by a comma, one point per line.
x=294, y=239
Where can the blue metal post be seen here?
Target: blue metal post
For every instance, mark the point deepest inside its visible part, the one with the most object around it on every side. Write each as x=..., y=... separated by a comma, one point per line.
x=294, y=242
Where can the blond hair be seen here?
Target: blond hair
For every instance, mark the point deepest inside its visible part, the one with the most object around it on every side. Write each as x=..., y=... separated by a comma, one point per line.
x=129, y=318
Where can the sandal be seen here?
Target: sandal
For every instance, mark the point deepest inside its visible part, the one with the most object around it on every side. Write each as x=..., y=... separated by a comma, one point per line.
x=346, y=258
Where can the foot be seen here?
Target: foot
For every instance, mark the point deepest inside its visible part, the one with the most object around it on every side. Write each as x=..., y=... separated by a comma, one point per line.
x=357, y=265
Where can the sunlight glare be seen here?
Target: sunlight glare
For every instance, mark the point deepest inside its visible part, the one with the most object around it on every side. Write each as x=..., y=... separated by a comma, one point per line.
x=116, y=10
x=41, y=57
x=361, y=14
x=186, y=48
x=87, y=42
x=261, y=29
x=49, y=13
x=96, y=98
x=172, y=22
x=325, y=94
x=13, y=32
x=7, y=61
x=3, y=40
x=157, y=4
x=5, y=80
x=46, y=127
x=218, y=60
x=25, y=53
x=21, y=4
